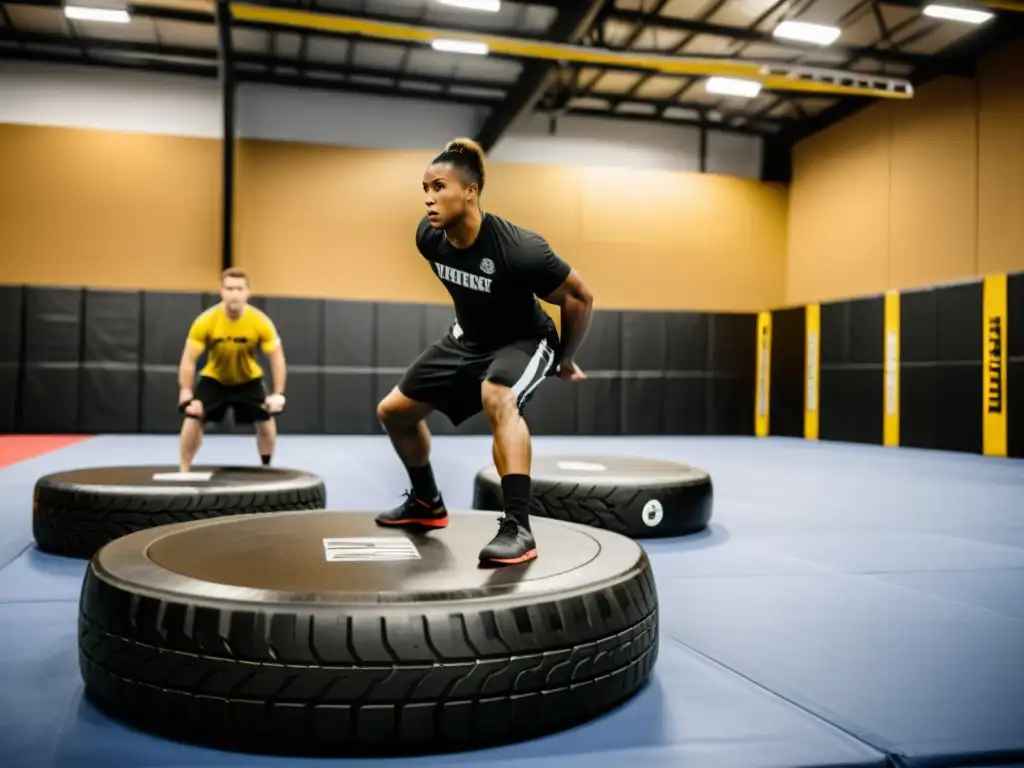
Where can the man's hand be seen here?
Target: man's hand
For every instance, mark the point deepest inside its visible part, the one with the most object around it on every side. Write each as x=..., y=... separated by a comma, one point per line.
x=188, y=403
x=274, y=403
x=569, y=371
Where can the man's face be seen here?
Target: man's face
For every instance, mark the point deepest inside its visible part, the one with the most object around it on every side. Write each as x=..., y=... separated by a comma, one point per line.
x=445, y=196
x=234, y=292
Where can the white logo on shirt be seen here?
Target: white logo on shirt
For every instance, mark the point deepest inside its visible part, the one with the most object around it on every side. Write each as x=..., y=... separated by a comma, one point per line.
x=487, y=266
x=465, y=279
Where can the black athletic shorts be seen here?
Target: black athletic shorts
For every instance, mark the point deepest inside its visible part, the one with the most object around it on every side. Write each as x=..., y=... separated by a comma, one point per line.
x=449, y=373
x=246, y=400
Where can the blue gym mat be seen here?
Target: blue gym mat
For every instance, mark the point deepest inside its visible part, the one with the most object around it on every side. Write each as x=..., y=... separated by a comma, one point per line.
x=849, y=606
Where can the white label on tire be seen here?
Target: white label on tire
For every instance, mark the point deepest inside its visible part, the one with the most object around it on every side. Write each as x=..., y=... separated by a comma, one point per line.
x=581, y=466
x=652, y=513
x=369, y=549
x=183, y=477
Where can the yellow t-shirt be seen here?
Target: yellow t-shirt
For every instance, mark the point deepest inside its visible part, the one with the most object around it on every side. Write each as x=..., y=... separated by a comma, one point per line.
x=231, y=343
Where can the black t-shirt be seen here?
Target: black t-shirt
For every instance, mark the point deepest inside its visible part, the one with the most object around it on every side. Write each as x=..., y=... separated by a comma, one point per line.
x=495, y=282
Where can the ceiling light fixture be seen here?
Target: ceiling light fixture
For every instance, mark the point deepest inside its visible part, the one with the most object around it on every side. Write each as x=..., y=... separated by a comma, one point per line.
x=460, y=46
x=82, y=13
x=805, y=32
x=953, y=13
x=728, y=86
x=492, y=6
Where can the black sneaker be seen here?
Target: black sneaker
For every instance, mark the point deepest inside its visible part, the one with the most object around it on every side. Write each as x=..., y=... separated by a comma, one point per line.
x=416, y=513
x=514, y=544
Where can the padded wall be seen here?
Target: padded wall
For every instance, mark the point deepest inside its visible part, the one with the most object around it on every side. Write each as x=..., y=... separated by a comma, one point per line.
x=84, y=360
x=939, y=367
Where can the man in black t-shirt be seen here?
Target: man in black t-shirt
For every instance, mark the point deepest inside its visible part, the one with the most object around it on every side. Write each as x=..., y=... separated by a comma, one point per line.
x=500, y=348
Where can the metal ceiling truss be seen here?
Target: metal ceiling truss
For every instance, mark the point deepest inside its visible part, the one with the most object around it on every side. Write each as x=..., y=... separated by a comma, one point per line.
x=552, y=62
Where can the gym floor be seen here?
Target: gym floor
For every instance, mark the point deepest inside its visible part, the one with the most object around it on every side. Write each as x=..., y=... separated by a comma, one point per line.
x=849, y=606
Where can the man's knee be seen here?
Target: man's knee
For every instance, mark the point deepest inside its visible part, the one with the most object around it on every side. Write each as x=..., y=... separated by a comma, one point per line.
x=498, y=400
x=398, y=411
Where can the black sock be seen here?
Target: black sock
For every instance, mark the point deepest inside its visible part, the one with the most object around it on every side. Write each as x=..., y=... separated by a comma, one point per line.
x=265, y=458
x=423, y=485
x=515, y=489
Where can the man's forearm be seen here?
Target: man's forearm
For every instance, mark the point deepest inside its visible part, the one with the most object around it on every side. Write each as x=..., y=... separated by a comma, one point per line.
x=279, y=372
x=186, y=373
x=575, y=323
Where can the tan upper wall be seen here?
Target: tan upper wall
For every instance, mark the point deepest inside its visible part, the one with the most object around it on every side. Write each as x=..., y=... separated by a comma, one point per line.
x=907, y=194
x=331, y=221
x=108, y=209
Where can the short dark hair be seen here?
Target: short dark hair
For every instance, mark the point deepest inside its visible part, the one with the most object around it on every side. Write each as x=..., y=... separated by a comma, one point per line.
x=234, y=272
x=467, y=157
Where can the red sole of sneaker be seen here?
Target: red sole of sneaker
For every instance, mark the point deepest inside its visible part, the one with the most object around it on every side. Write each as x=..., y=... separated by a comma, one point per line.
x=531, y=555
x=415, y=522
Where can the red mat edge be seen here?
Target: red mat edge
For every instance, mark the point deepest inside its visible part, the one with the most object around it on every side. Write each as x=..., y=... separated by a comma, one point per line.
x=15, y=448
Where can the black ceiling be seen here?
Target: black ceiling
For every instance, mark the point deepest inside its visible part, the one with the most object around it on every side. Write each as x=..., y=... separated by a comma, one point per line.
x=884, y=37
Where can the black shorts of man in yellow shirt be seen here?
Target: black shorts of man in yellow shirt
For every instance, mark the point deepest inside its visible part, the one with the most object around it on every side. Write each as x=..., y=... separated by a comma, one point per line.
x=229, y=333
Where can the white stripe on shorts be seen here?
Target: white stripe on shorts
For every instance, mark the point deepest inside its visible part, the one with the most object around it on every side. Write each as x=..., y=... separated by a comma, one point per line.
x=534, y=373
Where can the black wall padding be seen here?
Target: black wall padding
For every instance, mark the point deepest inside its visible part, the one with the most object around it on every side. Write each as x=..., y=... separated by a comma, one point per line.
x=107, y=361
x=919, y=350
x=349, y=403
x=685, y=388
x=642, y=405
x=732, y=372
x=643, y=355
x=834, y=359
x=684, y=407
x=1015, y=409
x=959, y=382
x=599, y=406
x=643, y=342
x=10, y=385
x=159, y=400
x=1015, y=369
x=109, y=398
x=786, y=407
x=850, y=387
x=552, y=409
x=299, y=323
x=687, y=341
x=399, y=338
x=601, y=350
x=52, y=352
x=349, y=332
x=732, y=344
x=867, y=331
x=302, y=414
x=166, y=319
x=53, y=324
x=112, y=327
x=11, y=310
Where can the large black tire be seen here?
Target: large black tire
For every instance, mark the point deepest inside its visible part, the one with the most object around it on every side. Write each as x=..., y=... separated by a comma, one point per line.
x=75, y=513
x=637, y=497
x=266, y=633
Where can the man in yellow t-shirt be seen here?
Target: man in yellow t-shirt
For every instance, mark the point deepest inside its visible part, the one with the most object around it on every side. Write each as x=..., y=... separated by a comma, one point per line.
x=231, y=378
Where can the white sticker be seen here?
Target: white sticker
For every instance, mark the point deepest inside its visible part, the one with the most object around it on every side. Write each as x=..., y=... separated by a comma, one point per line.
x=183, y=477
x=652, y=513
x=581, y=466
x=369, y=549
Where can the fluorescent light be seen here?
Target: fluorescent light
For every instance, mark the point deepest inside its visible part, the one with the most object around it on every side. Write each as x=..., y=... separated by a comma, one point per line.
x=460, y=46
x=474, y=5
x=806, y=32
x=81, y=13
x=966, y=15
x=728, y=86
